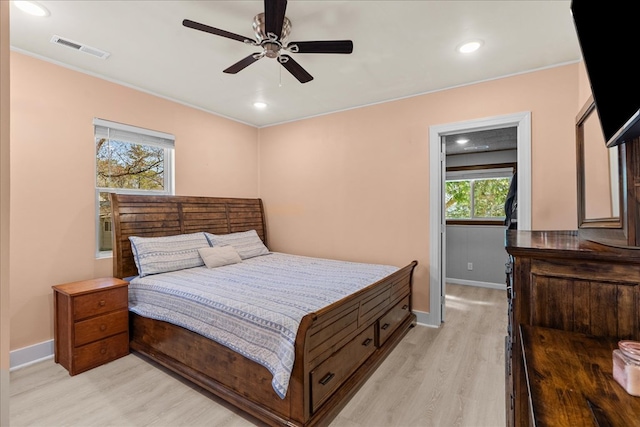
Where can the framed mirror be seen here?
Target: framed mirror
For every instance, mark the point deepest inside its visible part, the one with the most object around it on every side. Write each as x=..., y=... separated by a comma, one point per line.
x=601, y=183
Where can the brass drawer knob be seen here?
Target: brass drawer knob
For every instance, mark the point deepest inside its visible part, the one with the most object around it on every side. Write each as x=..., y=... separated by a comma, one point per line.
x=103, y=328
x=102, y=303
x=103, y=351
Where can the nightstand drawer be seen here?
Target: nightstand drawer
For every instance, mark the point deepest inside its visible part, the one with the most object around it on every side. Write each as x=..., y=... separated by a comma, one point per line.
x=101, y=327
x=99, y=352
x=100, y=302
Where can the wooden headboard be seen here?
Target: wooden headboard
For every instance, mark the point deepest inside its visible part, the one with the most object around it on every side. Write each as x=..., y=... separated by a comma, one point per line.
x=152, y=216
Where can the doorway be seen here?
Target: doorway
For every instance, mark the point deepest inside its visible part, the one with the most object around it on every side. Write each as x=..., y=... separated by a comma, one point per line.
x=437, y=168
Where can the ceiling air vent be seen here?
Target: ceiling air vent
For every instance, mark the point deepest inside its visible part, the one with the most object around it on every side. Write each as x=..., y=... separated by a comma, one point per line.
x=80, y=47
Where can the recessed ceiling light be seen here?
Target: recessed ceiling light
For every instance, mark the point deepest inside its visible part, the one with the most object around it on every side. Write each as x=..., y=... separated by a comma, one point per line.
x=32, y=8
x=462, y=141
x=260, y=105
x=470, y=46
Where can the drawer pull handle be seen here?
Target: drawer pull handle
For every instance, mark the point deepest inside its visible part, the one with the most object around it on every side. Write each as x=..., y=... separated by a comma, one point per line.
x=103, y=351
x=327, y=378
x=367, y=342
x=102, y=303
x=404, y=307
x=103, y=328
x=385, y=326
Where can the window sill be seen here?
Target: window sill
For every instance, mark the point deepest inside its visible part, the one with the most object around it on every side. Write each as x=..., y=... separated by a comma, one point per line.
x=496, y=223
x=105, y=254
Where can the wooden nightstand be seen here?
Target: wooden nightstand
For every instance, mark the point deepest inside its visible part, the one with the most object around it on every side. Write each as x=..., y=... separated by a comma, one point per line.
x=91, y=323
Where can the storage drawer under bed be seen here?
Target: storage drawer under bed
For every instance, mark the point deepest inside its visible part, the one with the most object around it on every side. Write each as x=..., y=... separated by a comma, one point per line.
x=331, y=373
x=390, y=321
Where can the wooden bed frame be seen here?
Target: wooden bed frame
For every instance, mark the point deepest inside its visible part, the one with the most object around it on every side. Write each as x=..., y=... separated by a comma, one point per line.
x=337, y=348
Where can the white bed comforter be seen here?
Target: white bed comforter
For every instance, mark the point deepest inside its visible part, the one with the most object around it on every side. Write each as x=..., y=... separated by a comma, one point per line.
x=253, y=307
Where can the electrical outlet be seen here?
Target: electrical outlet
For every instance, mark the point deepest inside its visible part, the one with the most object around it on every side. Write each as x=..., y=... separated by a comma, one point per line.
x=469, y=266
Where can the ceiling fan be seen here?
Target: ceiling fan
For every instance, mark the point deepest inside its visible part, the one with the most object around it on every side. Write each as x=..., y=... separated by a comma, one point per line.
x=271, y=30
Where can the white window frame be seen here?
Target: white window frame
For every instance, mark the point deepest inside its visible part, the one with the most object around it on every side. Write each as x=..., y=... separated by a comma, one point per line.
x=134, y=135
x=478, y=174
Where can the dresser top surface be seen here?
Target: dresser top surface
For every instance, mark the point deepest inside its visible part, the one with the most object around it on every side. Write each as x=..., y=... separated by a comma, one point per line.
x=564, y=244
x=570, y=379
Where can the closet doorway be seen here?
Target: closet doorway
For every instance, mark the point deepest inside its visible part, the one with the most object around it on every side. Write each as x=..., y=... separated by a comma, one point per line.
x=437, y=224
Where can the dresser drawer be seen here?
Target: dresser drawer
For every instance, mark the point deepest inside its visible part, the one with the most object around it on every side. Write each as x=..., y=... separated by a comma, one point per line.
x=331, y=373
x=100, y=327
x=100, y=302
x=390, y=321
x=99, y=352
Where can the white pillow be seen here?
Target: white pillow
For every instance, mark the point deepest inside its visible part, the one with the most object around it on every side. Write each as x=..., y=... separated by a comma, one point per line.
x=247, y=243
x=219, y=255
x=168, y=253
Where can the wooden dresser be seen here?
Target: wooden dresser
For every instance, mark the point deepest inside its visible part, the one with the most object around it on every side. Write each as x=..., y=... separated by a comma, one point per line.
x=557, y=280
x=91, y=323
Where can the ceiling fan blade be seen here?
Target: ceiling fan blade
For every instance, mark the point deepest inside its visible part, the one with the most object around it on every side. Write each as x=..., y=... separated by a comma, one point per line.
x=328, y=46
x=218, y=32
x=274, y=11
x=296, y=69
x=243, y=63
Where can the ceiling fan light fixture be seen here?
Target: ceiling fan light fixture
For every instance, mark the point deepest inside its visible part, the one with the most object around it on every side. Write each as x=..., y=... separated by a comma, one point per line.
x=271, y=50
x=260, y=105
x=470, y=46
x=32, y=8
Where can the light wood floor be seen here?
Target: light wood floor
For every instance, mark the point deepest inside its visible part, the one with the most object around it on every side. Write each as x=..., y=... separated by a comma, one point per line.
x=444, y=377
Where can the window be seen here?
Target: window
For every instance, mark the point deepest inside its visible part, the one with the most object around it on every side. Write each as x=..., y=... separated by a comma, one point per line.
x=477, y=195
x=128, y=160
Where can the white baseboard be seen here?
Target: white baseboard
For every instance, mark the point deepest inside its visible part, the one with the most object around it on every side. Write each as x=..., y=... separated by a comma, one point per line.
x=26, y=356
x=426, y=319
x=502, y=286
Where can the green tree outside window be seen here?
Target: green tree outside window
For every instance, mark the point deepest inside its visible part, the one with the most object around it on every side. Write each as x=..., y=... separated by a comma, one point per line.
x=476, y=198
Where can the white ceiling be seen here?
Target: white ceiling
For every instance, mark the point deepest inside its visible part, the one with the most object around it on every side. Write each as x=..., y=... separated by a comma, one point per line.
x=401, y=48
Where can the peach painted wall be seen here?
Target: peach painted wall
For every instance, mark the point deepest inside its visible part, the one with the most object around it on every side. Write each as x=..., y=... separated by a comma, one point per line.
x=355, y=185
x=4, y=213
x=53, y=175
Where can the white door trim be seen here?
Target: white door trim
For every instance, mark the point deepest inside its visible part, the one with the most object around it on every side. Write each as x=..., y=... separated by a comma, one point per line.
x=523, y=122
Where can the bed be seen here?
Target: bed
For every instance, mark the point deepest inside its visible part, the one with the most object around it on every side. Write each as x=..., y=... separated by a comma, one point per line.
x=336, y=346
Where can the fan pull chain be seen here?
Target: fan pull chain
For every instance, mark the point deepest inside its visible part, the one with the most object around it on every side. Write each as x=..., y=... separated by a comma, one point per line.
x=280, y=83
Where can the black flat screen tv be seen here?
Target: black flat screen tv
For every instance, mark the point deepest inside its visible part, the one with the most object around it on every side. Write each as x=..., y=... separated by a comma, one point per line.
x=608, y=34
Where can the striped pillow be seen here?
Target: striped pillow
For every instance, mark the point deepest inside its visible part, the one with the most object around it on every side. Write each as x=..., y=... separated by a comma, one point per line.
x=155, y=255
x=247, y=243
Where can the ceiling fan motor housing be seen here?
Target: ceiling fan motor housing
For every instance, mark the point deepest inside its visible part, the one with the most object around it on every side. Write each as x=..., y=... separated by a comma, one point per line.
x=261, y=35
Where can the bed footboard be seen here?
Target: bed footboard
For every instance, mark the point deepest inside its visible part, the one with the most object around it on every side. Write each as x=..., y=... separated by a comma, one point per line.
x=346, y=341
